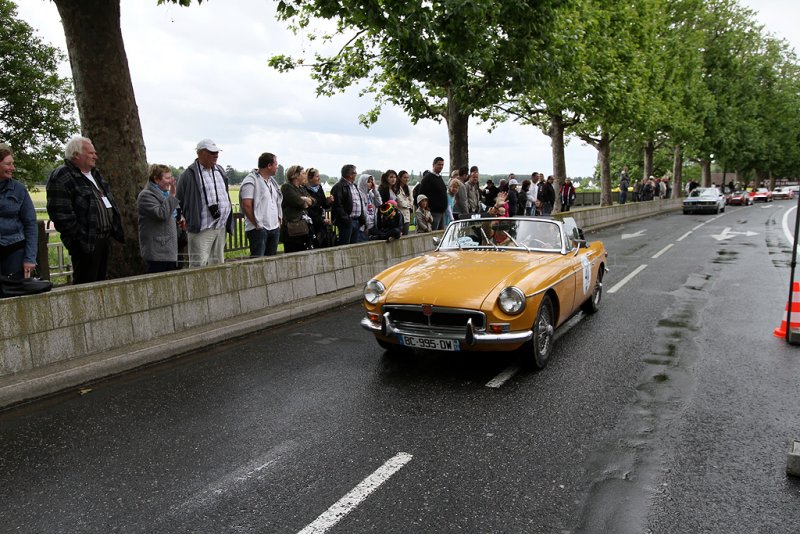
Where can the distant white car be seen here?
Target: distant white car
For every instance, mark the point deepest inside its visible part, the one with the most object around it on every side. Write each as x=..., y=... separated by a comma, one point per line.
x=782, y=193
x=704, y=199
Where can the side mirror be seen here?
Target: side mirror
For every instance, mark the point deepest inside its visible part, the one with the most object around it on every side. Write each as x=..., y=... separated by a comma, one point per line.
x=579, y=239
x=436, y=241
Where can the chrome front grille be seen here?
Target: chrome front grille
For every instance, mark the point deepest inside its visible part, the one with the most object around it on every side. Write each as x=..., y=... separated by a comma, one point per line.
x=440, y=318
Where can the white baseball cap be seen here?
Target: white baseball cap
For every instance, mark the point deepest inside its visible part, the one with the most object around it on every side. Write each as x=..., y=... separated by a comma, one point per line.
x=207, y=144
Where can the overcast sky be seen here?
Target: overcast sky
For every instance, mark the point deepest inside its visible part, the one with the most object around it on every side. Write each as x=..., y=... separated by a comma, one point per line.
x=202, y=72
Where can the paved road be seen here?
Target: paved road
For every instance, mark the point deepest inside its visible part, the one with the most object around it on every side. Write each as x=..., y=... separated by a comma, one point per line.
x=669, y=411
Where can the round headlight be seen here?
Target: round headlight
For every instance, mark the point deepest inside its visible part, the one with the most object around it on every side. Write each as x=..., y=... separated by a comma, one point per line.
x=511, y=300
x=373, y=291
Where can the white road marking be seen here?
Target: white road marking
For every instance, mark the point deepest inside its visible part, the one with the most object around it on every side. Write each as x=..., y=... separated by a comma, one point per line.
x=785, y=223
x=684, y=236
x=503, y=377
x=349, y=502
x=728, y=233
x=511, y=370
x=627, y=278
x=698, y=226
x=662, y=251
x=636, y=234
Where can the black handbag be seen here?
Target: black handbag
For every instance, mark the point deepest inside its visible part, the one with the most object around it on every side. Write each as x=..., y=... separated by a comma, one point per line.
x=298, y=228
x=18, y=287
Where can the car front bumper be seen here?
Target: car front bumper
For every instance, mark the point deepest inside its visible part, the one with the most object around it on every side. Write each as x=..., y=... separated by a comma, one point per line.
x=701, y=208
x=467, y=336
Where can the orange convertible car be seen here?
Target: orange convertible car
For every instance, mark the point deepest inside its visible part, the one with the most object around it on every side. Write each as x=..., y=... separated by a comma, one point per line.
x=492, y=284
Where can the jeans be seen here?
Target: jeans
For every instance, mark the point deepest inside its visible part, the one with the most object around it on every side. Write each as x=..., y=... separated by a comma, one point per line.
x=11, y=258
x=623, y=196
x=348, y=233
x=263, y=242
x=438, y=221
x=161, y=266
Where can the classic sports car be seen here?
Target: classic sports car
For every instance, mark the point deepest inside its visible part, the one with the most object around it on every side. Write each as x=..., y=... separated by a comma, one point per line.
x=762, y=194
x=704, y=199
x=492, y=284
x=740, y=198
x=782, y=193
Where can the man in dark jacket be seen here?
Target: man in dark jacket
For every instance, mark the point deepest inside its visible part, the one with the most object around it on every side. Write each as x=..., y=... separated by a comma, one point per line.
x=433, y=187
x=80, y=204
x=547, y=195
x=348, y=208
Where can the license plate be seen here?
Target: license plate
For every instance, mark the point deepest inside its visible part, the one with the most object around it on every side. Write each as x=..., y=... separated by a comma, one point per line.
x=419, y=342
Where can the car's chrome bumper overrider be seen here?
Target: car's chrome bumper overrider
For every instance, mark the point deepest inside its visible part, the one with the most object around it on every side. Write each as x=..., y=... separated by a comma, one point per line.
x=468, y=335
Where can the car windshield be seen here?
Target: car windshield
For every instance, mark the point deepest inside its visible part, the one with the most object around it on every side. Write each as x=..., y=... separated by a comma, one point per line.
x=503, y=233
x=703, y=193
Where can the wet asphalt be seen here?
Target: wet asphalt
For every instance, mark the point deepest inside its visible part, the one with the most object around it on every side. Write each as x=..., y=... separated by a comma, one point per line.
x=671, y=410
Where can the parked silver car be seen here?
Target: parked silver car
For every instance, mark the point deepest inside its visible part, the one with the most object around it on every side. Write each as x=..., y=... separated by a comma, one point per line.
x=704, y=199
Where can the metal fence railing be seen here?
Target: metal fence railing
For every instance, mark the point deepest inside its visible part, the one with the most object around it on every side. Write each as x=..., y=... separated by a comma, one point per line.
x=54, y=260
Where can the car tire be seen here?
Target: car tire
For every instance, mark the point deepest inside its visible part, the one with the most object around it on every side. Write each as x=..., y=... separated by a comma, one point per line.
x=541, y=345
x=723, y=209
x=593, y=303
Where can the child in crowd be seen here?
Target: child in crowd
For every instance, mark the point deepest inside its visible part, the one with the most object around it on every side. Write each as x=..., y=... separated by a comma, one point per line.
x=423, y=215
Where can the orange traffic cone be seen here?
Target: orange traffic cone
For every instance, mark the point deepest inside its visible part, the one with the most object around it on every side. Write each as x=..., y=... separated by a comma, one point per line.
x=794, y=317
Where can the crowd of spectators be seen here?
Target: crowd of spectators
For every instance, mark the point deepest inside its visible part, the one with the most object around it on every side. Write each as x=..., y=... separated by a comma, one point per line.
x=194, y=211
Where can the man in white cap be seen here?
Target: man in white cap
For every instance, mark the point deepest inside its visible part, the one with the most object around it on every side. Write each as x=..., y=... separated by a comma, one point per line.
x=205, y=203
x=513, y=196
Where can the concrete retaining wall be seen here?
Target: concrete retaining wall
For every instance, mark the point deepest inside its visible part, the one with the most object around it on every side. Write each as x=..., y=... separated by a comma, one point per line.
x=77, y=334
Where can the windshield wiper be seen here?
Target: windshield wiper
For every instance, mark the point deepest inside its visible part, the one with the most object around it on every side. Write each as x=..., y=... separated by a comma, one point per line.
x=488, y=241
x=517, y=244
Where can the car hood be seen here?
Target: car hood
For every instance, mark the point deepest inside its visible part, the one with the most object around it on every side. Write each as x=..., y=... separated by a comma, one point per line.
x=464, y=279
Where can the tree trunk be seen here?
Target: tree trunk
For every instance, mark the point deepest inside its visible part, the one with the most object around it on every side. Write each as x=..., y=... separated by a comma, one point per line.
x=762, y=179
x=677, y=172
x=649, y=150
x=556, y=133
x=604, y=159
x=458, y=135
x=108, y=113
x=705, y=172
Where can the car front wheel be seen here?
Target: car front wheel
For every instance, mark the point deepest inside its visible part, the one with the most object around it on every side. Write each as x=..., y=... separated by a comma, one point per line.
x=543, y=331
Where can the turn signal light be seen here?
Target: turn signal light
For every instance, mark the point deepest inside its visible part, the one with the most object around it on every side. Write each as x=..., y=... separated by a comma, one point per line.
x=374, y=317
x=498, y=328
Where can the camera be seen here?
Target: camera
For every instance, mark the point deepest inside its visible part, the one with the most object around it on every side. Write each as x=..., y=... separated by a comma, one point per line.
x=214, y=209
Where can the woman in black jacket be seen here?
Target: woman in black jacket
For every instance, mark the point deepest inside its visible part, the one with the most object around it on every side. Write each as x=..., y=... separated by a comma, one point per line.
x=296, y=201
x=388, y=186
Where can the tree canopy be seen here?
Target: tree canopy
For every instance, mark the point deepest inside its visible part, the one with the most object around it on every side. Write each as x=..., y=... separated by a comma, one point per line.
x=443, y=60
x=36, y=105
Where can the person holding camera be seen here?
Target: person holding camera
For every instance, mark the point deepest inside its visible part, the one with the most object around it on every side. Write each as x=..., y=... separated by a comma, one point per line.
x=203, y=194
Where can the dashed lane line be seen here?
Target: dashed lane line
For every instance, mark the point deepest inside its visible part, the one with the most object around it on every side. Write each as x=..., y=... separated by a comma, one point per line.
x=627, y=279
x=662, y=251
x=356, y=496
